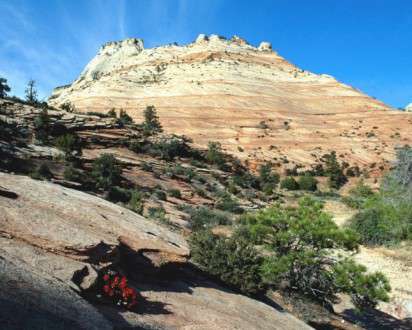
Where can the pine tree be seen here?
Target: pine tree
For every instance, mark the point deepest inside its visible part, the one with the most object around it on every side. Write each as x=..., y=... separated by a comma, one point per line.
x=334, y=171
x=151, y=124
x=4, y=88
x=31, y=92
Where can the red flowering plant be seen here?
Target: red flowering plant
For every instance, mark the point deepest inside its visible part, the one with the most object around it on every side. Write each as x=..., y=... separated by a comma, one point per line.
x=115, y=288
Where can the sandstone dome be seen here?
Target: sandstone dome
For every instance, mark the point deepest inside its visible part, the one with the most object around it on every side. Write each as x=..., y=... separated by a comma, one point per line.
x=251, y=99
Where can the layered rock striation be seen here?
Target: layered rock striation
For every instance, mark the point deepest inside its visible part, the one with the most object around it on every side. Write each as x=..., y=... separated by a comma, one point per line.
x=252, y=100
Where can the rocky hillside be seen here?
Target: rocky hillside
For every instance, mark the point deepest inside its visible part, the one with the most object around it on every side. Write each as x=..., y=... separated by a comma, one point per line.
x=256, y=103
x=58, y=239
x=63, y=235
x=53, y=243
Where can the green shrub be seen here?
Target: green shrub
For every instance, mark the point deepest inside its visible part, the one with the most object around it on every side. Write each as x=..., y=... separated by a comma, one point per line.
x=197, y=163
x=302, y=245
x=98, y=114
x=186, y=173
x=233, y=261
x=157, y=213
x=308, y=182
x=353, y=171
x=124, y=119
x=174, y=193
x=118, y=194
x=358, y=195
x=246, y=180
x=229, y=204
x=151, y=124
x=112, y=113
x=203, y=217
x=42, y=126
x=4, y=88
x=160, y=194
x=170, y=148
x=68, y=107
x=147, y=167
x=136, y=202
x=334, y=171
x=42, y=172
x=106, y=171
x=289, y=183
x=386, y=217
x=215, y=155
x=268, y=179
x=382, y=222
x=201, y=192
x=72, y=174
x=70, y=144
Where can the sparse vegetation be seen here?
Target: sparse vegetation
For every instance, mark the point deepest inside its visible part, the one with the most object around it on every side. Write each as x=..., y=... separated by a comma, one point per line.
x=151, y=124
x=215, y=155
x=42, y=126
x=307, y=182
x=268, y=179
x=157, y=213
x=42, y=172
x=227, y=203
x=289, y=183
x=334, y=171
x=136, y=203
x=72, y=174
x=68, y=106
x=174, y=193
x=299, y=241
x=386, y=217
x=106, y=171
x=233, y=261
x=70, y=144
x=124, y=119
x=204, y=217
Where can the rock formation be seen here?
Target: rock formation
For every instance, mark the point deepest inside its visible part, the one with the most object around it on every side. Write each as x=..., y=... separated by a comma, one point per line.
x=253, y=101
x=49, y=234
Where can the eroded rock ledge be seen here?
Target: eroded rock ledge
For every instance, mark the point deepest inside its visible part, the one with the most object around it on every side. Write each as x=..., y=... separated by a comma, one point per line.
x=50, y=235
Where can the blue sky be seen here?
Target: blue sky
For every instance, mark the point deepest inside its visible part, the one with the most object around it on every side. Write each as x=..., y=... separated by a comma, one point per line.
x=365, y=43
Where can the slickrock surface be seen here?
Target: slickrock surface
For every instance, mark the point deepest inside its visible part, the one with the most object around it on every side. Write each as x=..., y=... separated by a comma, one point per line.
x=23, y=116
x=258, y=105
x=44, y=233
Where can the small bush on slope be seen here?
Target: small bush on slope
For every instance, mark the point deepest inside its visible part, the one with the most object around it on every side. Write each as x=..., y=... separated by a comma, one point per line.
x=268, y=179
x=308, y=182
x=289, y=183
x=298, y=244
x=233, y=261
x=203, y=217
x=70, y=144
x=386, y=217
x=106, y=171
x=42, y=172
x=334, y=171
x=358, y=195
x=151, y=124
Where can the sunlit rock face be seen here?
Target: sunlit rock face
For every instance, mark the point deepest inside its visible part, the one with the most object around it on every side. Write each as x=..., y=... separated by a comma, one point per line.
x=250, y=99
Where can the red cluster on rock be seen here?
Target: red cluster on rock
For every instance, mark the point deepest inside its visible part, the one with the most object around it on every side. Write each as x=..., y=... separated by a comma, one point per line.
x=116, y=288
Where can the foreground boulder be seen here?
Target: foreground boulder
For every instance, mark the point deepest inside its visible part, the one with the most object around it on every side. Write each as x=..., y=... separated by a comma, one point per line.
x=54, y=241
